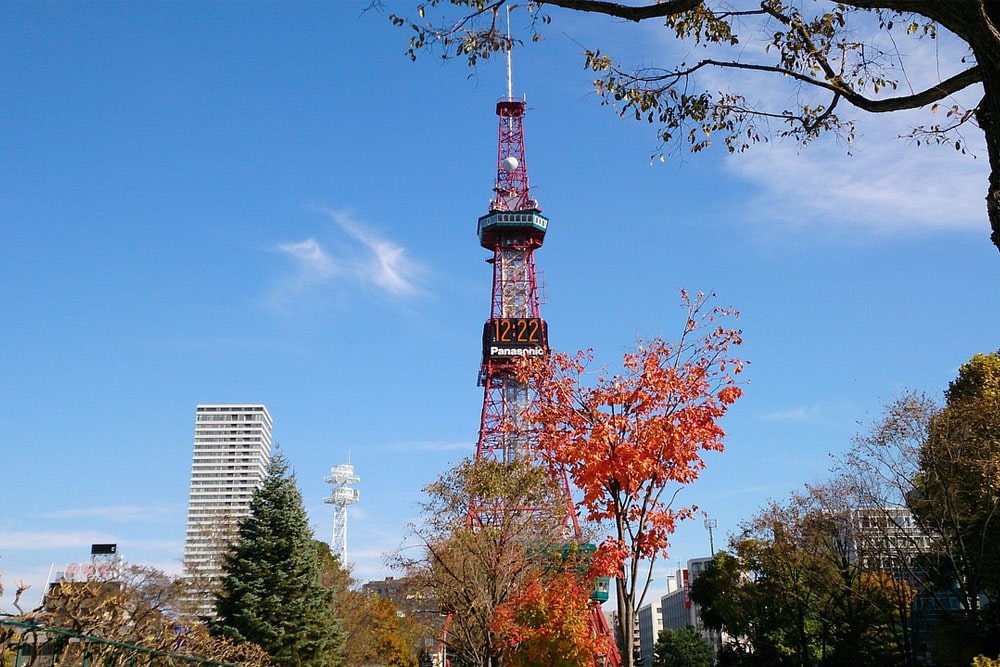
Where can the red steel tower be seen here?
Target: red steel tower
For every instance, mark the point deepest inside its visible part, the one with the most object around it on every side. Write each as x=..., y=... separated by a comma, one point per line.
x=512, y=230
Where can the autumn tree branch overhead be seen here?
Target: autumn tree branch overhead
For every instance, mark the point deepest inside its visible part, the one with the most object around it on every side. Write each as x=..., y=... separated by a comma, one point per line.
x=831, y=55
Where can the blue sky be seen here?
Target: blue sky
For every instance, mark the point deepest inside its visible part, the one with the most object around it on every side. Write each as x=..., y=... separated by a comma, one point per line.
x=268, y=202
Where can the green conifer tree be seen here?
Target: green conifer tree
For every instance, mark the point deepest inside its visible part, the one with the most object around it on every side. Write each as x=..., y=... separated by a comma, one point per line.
x=272, y=593
x=684, y=647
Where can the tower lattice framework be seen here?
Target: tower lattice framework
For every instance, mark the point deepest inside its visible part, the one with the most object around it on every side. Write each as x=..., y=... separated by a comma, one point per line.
x=341, y=495
x=512, y=230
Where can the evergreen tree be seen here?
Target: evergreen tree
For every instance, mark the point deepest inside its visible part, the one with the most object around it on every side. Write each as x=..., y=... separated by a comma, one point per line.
x=272, y=593
x=682, y=648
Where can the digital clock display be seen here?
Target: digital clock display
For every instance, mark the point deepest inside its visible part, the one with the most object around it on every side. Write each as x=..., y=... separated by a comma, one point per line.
x=509, y=337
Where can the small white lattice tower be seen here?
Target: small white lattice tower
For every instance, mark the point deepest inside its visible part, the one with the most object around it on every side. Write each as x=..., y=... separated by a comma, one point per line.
x=341, y=477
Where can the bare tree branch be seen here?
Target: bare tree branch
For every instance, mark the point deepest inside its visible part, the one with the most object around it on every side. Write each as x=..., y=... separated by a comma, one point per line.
x=837, y=85
x=630, y=13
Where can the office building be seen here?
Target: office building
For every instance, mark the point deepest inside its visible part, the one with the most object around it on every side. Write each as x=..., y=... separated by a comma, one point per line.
x=650, y=625
x=677, y=611
x=232, y=449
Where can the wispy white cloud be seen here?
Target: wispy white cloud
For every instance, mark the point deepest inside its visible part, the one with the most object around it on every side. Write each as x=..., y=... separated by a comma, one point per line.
x=885, y=187
x=382, y=263
x=173, y=568
x=78, y=540
x=880, y=186
x=312, y=263
x=312, y=270
x=354, y=255
x=118, y=513
x=51, y=539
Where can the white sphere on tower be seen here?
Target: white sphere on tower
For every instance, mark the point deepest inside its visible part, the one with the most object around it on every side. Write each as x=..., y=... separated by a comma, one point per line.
x=509, y=163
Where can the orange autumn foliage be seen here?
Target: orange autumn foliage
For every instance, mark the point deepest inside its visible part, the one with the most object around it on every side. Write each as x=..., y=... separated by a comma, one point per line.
x=629, y=442
x=546, y=623
x=608, y=559
x=626, y=439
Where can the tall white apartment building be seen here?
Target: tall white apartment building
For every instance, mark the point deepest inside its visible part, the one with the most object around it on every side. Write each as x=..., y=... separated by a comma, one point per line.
x=232, y=449
x=650, y=624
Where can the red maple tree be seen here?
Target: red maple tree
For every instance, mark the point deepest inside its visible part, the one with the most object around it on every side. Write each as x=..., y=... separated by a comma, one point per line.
x=630, y=441
x=546, y=622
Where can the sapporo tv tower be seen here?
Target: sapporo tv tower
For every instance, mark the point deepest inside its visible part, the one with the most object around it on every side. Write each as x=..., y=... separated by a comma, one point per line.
x=512, y=230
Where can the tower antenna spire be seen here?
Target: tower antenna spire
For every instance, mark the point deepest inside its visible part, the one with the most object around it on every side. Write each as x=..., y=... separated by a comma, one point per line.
x=510, y=86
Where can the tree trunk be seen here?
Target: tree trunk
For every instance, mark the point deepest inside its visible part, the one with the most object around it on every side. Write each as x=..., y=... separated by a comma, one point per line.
x=988, y=114
x=626, y=622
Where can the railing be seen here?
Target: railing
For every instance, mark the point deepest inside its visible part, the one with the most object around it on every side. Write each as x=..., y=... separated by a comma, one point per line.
x=27, y=644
